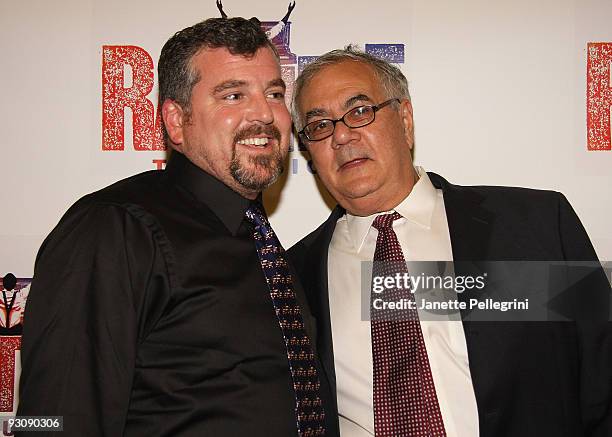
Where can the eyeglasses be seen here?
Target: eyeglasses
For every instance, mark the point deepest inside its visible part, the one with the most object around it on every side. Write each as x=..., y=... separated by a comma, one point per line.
x=357, y=117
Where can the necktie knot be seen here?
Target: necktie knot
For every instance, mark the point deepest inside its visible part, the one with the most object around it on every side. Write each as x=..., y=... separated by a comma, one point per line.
x=385, y=221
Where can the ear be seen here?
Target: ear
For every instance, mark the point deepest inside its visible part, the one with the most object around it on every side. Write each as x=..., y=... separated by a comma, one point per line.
x=174, y=119
x=407, y=121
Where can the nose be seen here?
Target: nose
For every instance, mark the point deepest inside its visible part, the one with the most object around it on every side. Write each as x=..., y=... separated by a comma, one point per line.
x=260, y=110
x=343, y=134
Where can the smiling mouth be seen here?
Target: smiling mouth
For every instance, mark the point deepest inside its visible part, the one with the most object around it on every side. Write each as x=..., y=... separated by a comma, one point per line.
x=257, y=142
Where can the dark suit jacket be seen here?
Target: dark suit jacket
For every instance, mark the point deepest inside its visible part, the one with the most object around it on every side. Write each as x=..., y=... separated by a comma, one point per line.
x=530, y=378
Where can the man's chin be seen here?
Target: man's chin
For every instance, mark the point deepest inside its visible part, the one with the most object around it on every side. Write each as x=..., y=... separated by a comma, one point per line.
x=256, y=180
x=256, y=173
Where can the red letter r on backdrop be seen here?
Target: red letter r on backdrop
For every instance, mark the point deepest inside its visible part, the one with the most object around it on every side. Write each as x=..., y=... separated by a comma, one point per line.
x=115, y=98
x=599, y=95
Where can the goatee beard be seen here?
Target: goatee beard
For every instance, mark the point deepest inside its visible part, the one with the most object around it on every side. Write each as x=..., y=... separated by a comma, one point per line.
x=260, y=171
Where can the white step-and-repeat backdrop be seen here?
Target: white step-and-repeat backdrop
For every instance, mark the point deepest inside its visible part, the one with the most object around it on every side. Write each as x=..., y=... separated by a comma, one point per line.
x=509, y=92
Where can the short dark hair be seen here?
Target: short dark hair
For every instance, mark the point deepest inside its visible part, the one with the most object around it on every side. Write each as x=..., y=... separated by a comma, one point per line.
x=177, y=76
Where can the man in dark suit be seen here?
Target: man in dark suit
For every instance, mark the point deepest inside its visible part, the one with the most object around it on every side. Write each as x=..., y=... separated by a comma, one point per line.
x=452, y=377
x=163, y=305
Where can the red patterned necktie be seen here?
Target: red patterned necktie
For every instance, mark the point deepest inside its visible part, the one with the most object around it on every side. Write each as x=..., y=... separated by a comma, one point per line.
x=309, y=411
x=405, y=401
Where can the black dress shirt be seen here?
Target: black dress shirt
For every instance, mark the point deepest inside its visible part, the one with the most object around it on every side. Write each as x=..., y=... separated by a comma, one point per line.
x=149, y=315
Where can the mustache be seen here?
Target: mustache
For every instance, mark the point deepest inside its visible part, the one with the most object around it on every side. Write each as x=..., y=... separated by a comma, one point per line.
x=348, y=154
x=256, y=129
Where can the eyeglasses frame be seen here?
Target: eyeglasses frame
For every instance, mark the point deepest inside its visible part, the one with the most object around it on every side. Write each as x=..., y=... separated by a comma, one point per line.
x=375, y=109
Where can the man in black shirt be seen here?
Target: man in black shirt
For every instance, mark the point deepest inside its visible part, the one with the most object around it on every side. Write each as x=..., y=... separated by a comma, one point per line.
x=150, y=313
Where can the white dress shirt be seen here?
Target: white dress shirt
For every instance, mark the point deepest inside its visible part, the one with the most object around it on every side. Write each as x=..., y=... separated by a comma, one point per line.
x=423, y=235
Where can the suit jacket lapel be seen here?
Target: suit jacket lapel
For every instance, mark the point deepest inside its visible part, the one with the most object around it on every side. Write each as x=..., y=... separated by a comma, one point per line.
x=469, y=226
x=316, y=260
x=468, y=223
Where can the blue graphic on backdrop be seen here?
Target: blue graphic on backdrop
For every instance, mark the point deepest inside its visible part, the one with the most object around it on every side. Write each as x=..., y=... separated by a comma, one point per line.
x=389, y=52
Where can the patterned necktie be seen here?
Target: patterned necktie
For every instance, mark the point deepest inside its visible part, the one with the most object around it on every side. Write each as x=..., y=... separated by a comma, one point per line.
x=308, y=404
x=405, y=401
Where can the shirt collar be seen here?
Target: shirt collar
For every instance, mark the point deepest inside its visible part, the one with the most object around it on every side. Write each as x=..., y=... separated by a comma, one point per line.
x=225, y=203
x=417, y=207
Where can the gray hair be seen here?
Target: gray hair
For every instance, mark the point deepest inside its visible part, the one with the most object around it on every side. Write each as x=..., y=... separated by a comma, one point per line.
x=391, y=78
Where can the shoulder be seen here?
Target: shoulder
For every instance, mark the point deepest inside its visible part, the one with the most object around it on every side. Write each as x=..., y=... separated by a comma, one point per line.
x=516, y=201
x=140, y=189
x=542, y=216
x=133, y=196
x=108, y=219
x=522, y=203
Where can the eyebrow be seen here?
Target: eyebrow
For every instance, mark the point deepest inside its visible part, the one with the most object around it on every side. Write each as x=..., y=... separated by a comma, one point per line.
x=316, y=112
x=279, y=82
x=230, y=84
x=358, y=98
x=319, y=112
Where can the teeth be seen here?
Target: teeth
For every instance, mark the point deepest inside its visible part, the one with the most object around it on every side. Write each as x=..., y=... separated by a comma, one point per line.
x=254, y=141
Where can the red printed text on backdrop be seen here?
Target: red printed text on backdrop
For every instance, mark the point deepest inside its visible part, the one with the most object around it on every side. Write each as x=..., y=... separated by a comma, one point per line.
x=599, y=95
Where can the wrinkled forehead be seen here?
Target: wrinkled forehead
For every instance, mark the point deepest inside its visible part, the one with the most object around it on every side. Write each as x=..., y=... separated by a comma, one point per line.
x=336, y=88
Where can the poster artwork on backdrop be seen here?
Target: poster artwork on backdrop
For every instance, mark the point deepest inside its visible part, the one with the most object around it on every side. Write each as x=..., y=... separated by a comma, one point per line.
x=599, y=95
x=120, y=92
x=14, y=296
